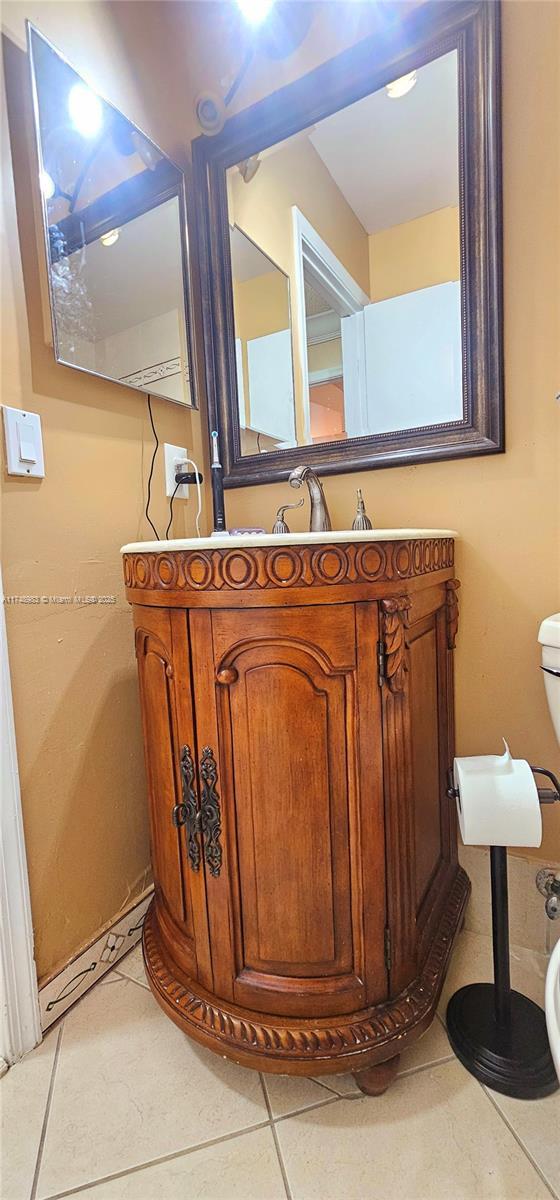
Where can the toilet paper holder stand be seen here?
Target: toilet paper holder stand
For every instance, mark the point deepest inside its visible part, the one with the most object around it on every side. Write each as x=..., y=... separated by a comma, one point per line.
x=497, y=1033
x=546, y=795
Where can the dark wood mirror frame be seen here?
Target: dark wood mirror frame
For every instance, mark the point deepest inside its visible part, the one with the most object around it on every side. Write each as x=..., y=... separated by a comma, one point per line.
x=472, y=28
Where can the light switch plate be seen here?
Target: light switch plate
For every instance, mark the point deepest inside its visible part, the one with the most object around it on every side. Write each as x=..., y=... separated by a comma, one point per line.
x=171, y=455
x=24, y=443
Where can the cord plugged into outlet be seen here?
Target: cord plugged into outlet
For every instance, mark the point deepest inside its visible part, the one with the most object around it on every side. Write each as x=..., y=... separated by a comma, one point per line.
x=175, y=460
x=182, y=479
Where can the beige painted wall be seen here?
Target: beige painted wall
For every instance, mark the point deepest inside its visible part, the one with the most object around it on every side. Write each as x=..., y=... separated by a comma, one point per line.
x=505, y=507
x=73, y=667
x=295, y=174
x=261, y=305
x=416, y=254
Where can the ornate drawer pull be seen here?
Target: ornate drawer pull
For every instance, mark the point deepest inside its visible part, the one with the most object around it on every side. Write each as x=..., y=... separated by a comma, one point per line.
x=210, y=812
x=187, y=813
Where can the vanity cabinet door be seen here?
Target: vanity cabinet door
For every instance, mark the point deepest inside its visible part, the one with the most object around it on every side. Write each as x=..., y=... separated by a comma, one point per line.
x=162, y=653
x=288, y=713
x=418, y=748
x=431, y=740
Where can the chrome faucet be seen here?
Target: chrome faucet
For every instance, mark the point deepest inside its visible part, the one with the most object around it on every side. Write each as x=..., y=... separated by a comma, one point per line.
x=319, y=518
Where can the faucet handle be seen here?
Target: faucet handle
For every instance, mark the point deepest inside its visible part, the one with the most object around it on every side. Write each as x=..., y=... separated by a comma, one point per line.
x=361, y=520
x=280, y=525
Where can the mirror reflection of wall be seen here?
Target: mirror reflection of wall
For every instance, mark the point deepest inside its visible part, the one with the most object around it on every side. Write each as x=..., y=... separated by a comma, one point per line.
x=114, y=220
x=361, y=212
x=263, y=346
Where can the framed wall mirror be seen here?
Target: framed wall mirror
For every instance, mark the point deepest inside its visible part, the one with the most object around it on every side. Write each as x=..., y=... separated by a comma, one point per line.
x=115, y=236
x=352, y=256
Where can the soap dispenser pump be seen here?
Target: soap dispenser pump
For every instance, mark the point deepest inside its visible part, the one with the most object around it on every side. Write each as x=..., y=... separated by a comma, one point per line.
x=361, y=520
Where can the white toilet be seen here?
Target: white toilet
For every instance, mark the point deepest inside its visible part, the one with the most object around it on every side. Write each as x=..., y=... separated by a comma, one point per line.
x=549, y=638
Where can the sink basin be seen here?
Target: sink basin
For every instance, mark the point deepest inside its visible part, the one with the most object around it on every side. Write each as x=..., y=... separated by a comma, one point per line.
x=222, y=542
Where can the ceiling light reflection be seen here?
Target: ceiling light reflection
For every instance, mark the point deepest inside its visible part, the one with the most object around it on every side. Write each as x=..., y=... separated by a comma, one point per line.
x=85, y=110
x=401, y=87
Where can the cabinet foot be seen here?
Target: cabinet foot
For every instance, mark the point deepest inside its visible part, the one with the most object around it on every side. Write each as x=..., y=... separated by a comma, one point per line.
x=375, y=1080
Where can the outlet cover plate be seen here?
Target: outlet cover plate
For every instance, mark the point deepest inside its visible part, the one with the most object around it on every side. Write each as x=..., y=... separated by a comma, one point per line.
x=171, y=455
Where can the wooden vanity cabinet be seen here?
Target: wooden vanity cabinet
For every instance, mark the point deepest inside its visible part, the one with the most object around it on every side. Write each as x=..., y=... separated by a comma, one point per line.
x=297, y=704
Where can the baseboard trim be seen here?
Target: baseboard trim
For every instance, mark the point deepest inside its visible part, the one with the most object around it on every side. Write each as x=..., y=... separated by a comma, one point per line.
x=73, y=980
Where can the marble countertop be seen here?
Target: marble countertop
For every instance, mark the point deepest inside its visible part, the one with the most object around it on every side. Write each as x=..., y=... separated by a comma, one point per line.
x=227, y=542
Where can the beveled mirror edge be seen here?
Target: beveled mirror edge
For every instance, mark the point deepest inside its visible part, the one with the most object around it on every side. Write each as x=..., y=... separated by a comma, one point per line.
x=472, y=27
x=184, y=219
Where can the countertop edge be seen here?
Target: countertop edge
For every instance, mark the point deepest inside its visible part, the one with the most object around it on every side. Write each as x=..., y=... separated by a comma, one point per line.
x=284, y=539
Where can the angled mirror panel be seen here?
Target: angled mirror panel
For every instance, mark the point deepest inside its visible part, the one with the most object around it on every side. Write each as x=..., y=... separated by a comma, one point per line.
x=115, y=235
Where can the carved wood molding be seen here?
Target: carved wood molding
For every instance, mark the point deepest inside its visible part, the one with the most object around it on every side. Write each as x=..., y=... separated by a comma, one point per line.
x=146, y=642
x=234, y=1029
x=452, y=610
x=394, y=621
x=262, y=567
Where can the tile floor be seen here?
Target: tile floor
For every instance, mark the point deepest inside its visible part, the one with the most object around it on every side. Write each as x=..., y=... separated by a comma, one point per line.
x=117, y=1104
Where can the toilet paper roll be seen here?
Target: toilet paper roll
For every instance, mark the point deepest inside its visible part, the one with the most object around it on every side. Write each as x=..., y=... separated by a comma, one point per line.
x=498, y=801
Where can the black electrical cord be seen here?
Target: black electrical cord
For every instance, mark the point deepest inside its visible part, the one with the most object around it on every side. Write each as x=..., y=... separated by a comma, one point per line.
x=177, y=485
x=156, y=447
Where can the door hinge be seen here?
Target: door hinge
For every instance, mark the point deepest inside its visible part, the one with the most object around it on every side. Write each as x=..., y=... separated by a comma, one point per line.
x=381, y=676
x=388, y=949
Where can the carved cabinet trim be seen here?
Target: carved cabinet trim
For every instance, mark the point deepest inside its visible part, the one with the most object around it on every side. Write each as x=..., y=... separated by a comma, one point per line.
x=452, y=611
x=266, y=568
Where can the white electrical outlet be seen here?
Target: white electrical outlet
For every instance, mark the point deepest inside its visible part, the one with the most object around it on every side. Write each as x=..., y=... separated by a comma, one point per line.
x=172, y=456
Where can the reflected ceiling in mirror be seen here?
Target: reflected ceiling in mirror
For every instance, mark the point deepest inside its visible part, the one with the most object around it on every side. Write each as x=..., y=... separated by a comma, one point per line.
x=114, y=214
x=361, y=213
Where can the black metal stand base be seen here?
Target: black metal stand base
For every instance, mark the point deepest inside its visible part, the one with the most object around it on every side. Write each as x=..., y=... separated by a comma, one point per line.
x=499, y=1035
x=514, y=1058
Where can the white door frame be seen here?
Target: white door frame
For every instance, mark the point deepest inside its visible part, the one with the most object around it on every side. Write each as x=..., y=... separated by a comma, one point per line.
x=20, y=1028
x=330, y=278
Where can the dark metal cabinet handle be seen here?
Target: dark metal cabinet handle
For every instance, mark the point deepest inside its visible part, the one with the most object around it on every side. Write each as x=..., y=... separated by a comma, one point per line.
x=188, y=813
x=210, y=812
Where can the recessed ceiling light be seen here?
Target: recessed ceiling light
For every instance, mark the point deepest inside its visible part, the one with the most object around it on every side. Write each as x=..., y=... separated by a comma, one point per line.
x=255, y=11
x=109, y=239
x=47, y=185
x=401, y=87
x=85, y=110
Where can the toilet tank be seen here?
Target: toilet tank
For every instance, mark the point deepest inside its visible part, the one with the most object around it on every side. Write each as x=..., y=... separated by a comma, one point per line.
x=549, y=638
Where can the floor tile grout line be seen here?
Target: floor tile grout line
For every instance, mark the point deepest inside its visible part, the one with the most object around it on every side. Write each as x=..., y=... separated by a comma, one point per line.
x=266, y=1096
x=299, y=1112
x=520, y=1143
x=275, y=1137
x=434, y=1062
x=156, y=1162
x=130, y=979
x=330, y=1090
x=44, y=1126
x=281, y=1162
